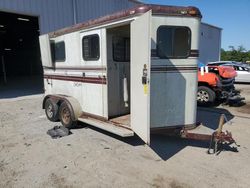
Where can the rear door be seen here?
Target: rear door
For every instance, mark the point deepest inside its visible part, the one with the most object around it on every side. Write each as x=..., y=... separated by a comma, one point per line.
x=45, y=49
x=140, y=76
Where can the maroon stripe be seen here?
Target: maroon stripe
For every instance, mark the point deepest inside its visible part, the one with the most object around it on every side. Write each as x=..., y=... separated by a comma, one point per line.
x=77, y=79
x=194, y=53
x=79, y=68
x=171, y=69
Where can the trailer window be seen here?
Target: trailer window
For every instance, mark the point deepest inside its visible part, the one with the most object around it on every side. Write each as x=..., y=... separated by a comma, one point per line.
x=58, y=51
x=173, y=42
x=121, y=49
x=90, y=47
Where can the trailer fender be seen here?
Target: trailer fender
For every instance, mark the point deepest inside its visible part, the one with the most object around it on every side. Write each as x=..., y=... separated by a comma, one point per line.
x=75, y=107
x=72, y=102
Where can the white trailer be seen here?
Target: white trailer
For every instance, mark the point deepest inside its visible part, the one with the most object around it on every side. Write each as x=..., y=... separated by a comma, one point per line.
x=134, y=71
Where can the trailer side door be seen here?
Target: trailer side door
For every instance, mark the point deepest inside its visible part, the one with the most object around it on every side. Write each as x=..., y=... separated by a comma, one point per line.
x=140, y=76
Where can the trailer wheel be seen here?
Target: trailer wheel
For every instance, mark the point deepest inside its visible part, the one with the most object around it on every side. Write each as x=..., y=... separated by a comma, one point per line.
x=51, y=110
x=65, y=116
x=205, y=95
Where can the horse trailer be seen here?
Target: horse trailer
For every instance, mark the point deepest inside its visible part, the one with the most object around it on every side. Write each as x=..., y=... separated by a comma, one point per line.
x=131, y=72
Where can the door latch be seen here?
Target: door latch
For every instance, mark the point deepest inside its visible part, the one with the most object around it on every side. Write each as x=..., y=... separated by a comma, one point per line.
x=144, y=75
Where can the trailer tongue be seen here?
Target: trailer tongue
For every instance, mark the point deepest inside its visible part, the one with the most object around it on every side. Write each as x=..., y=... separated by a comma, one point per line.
x=217, y=138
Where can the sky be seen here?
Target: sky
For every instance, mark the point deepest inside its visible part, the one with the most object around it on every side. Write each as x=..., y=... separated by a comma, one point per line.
x=233, y=16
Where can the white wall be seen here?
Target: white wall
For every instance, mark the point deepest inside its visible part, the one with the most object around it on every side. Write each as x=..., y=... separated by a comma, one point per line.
x=210, y=43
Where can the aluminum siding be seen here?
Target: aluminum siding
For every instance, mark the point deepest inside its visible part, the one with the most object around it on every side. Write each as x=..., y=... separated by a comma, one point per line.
x=210, y=43
x=57, y=14
x=53, y=14
x=90, y=9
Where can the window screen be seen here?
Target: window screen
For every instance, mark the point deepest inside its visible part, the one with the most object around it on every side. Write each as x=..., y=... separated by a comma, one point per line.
x=121, y=49
x=90, y=47
x=173, y=42
x=58, y=51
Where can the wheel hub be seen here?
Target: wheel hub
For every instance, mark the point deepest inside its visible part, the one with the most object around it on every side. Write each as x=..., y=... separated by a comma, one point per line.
x=202, y=96
x=50, y=111
x=66, y=115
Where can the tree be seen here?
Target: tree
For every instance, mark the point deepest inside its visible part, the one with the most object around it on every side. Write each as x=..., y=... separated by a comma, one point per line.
x=241, y=48
x=235, y=54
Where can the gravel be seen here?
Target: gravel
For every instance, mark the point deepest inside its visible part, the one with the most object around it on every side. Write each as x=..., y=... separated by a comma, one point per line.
x=93, y=158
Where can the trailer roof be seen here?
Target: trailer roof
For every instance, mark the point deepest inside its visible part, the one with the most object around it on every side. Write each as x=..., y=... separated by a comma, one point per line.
x=136, y=1
x=140, y=9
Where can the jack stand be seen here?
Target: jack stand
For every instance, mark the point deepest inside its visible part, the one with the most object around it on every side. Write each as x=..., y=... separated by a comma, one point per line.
x=217, y=139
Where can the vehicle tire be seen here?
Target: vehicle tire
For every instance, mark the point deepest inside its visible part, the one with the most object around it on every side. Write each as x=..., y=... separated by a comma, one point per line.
x=65, y=116
x=51, y=110
x=205, y=96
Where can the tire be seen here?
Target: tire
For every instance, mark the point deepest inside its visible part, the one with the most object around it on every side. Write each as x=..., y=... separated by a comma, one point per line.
x=51, y=110
x=65, y=116
x=205, y=96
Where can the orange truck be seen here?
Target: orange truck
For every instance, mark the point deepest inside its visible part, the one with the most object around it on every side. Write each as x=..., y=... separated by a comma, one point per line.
x=216, y=83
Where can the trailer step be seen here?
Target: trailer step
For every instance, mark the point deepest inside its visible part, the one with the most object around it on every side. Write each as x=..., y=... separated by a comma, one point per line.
x=201, y=129
x=123, y=132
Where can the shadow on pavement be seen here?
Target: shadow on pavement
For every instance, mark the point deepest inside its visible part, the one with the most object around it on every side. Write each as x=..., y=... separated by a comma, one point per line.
x=21, y=86
x=133, y=141
x=166, y=146
x=210, y=116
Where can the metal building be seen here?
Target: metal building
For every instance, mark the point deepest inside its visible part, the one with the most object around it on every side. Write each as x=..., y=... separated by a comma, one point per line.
x=22, y=21
x=210, y=43
x=55, y=14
